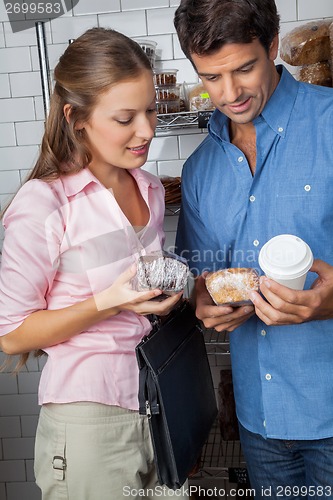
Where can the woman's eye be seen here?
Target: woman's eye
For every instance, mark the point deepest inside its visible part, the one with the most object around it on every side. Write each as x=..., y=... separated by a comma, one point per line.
x=124, y=122
x=152, y=110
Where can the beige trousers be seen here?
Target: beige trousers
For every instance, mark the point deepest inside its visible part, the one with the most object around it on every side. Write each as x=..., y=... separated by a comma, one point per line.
x=90, y=451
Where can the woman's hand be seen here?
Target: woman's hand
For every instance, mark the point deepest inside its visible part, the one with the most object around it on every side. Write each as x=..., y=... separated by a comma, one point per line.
x=219, y=317
x=121, y=296
x=45, y=328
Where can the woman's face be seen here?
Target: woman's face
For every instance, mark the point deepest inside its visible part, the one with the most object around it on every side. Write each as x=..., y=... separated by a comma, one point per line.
x=122, y=125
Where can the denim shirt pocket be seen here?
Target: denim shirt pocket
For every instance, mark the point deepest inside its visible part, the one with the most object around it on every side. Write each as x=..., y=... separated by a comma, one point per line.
x=303, y=205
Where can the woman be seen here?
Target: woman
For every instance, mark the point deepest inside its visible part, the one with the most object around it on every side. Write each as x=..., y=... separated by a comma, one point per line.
x=73, y=234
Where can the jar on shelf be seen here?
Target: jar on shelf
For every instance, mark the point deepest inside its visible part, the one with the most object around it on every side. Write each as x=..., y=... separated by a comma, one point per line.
x=165, y=77
x=149, y=47
x=163, y=107
x=168, y=93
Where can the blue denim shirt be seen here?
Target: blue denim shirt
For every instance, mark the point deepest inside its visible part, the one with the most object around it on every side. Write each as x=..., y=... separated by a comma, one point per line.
x=283, y=375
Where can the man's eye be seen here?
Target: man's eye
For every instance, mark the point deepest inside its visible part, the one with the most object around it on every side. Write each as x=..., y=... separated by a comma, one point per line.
x=246, y=70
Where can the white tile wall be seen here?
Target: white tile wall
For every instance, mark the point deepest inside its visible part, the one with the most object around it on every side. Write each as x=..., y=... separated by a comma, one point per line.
x=85, y=7
x=7, y=134
x=4, y=86
x=25, y=84
x=21, y=128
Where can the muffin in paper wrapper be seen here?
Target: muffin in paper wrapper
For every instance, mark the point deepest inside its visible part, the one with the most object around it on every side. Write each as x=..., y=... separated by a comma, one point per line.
x=232, y=286
x=163, y=270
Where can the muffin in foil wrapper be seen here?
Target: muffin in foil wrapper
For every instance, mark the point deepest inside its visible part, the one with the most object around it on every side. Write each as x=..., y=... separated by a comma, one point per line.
x=162, y=270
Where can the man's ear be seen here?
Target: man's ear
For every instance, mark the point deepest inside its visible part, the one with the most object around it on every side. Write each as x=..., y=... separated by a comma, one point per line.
x=274, y=48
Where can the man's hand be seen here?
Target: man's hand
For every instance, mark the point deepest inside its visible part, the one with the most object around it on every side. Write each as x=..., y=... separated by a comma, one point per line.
x=219, y=317
x=285, y=306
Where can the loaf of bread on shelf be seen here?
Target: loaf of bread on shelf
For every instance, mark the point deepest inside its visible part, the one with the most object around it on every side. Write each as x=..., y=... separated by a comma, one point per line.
x=172, y=186
x=198, y=98
x=162, y=270
x=318, y=73
x=232, y=286
x=307, y=44
x=226, y=407
x=330, y=30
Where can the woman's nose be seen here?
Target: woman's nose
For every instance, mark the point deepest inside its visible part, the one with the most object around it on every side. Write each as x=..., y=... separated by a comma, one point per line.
x=146, y=127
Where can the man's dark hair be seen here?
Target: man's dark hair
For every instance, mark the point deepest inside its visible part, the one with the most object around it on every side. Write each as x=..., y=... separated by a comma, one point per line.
x=204, y=26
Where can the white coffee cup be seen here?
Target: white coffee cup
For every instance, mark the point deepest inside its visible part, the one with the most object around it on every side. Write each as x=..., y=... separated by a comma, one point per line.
x=286, y=259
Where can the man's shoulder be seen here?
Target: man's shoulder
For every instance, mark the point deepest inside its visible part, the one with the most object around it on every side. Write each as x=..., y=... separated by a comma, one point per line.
x=198, y=158
x=315, y=92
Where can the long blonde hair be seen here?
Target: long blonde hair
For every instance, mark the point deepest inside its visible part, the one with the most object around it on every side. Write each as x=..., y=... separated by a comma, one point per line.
x=94, y=62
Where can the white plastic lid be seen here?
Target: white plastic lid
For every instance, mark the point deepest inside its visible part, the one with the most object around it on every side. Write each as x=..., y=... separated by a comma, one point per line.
x=285, y=257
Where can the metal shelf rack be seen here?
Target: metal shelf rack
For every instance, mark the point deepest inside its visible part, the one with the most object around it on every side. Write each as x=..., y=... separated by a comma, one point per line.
x=219, y=456
x=172, y=210
x=185, y=119
x=217, y=343
x=222, y=462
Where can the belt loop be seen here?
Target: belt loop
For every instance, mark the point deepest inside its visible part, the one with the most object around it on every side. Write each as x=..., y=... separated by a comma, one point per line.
x=59, y=466
x=59, y=463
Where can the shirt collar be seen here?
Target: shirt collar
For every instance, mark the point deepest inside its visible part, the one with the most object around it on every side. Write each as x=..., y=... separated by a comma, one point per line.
x=74, y=183
x=275, y=115
x=279, y=107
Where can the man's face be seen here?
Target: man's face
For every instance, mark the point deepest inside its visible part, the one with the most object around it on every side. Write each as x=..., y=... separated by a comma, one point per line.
x=240, y=78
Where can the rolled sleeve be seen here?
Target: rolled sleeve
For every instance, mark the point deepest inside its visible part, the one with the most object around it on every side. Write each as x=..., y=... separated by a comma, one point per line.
x=33, y=233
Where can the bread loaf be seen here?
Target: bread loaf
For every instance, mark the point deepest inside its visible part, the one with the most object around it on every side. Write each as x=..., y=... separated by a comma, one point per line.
x=232, y=286
x=226, y=407
x=331, y=49
x=199, y=99
x=307, y=44
x=318, y=73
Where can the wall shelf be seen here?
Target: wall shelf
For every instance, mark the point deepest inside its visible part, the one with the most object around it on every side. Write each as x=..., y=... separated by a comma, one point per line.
x=185, y=119
x=172, y=210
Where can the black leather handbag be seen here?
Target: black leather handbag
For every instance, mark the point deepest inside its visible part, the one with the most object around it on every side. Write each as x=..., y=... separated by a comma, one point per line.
x=176, y=393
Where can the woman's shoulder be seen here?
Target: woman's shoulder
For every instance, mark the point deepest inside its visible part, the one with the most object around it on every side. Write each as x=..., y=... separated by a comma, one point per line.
x=36, y=198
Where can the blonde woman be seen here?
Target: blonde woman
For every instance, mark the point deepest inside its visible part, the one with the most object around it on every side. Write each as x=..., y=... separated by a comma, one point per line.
x=72, y=236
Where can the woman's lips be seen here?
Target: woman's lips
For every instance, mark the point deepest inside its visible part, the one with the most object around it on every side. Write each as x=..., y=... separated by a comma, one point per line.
x=139, y=150
x=240, y=108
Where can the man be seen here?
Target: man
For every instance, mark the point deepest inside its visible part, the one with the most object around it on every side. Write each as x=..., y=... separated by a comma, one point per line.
x=265, y=168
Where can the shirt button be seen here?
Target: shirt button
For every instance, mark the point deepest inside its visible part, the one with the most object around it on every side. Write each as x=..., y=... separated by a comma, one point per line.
x=256, y=243
x=307, y=187
x=240, y=159
x=264, y=423
x=268, y=376
x=280, y=129
x=252, y=198
x=263, y=333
